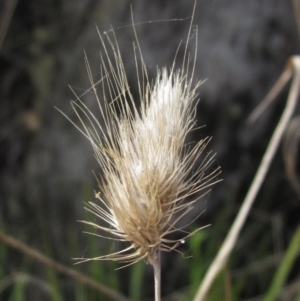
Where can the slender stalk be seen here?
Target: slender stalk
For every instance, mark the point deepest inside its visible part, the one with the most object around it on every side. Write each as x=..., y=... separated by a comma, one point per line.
x=155, y=261
x=229, y=242
x=157, y=280
x=30, y=252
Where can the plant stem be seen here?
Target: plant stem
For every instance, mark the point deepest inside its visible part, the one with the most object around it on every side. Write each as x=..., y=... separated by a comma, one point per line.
x=30, y=252
x=232, y=236
x=157, y=280
x=154, y=260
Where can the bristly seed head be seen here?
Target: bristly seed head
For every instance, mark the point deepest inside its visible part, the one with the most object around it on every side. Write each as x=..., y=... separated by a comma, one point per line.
x=149, y=174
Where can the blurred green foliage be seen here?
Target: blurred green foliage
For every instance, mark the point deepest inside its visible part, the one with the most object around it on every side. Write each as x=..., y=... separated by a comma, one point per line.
x=252, y=266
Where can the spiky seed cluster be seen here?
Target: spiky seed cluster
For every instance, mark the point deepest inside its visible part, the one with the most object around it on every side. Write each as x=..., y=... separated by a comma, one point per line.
x=148, y=170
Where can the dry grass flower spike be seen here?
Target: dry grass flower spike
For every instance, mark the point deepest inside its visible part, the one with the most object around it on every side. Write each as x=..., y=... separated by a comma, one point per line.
x=151, y=178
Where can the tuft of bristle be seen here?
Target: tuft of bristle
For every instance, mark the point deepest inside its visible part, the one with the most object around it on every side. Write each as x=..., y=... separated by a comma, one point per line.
x=149, y=177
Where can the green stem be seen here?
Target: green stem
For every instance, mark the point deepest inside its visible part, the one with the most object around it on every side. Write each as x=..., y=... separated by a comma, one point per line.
x=285, y=267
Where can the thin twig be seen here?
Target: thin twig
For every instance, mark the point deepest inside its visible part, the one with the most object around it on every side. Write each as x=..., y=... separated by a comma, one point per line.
x=276, y=89
x=229, y=242
x=21, y=247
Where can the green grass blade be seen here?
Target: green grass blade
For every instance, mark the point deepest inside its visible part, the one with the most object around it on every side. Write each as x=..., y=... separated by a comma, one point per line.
x=284, y=268
x=136, y=281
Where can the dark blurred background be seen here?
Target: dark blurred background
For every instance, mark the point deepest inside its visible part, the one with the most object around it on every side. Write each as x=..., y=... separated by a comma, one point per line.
x=46, y=164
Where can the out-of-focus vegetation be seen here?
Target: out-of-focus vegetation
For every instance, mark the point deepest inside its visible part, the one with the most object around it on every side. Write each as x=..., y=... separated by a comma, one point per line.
x=45, y=165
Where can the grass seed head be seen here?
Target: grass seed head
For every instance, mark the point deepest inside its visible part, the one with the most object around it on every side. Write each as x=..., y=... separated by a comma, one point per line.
x=149, y=176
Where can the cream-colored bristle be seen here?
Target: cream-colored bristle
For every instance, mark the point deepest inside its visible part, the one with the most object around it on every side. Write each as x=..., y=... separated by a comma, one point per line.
x=149, y=174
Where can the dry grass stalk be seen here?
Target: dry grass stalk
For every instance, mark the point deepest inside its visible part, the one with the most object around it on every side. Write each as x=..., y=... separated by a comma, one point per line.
x=293, y=66
x=46, y=261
